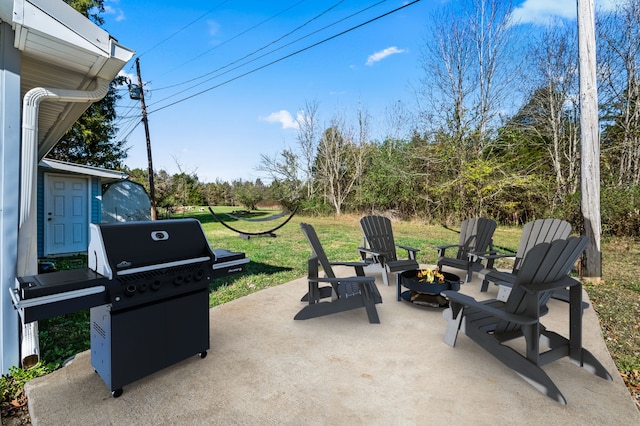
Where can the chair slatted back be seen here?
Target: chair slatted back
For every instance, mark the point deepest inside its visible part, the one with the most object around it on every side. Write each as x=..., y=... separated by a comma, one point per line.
x=317, y=250
x=540, y=231
x=545, y=263
x=379, y=236
x=476, y=235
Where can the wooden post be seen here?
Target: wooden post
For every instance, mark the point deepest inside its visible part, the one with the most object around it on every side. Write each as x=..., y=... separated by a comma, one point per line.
x=589, y=140
x=145, y=121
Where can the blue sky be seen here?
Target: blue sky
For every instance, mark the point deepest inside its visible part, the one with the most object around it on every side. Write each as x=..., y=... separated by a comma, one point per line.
x=221, y=91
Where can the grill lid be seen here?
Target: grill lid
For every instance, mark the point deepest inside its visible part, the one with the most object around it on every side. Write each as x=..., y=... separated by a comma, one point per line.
x=117, y=249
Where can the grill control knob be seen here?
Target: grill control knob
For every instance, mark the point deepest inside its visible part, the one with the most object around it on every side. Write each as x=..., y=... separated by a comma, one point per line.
x=178, y=280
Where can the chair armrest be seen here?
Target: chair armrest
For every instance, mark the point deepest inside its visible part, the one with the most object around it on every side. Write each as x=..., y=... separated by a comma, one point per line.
x=358, y=266
x=494, y=276
x=470, y=302
x=377, y=256
x=362, y=279
x=354, y=264
x=491, y=255
x=447, y=246
x=564, y=282
x=442, y=249
x=411, y=252
x=368, y=251
x=407, y=248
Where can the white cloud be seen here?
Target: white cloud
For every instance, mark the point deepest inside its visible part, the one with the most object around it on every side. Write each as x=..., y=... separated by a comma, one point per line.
x=214, y=27
x=283, y=117
x=545, y=12
x=114, y=9
x=131, y=77
x=378, y=56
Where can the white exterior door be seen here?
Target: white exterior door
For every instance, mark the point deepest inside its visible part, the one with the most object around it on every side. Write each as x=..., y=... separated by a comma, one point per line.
x=66, y=214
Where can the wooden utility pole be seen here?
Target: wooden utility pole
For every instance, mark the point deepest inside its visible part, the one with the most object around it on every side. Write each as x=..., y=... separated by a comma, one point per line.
x=589, y=140
x=145, y=121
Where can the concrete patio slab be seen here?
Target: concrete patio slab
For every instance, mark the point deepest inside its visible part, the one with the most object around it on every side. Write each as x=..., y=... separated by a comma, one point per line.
x=264, y=368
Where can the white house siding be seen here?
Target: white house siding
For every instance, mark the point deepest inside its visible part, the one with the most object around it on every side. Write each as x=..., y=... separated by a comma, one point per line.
x=9, y=198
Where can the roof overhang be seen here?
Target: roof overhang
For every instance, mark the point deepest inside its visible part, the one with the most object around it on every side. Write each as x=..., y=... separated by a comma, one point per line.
x=64, y=50
x=107, y=176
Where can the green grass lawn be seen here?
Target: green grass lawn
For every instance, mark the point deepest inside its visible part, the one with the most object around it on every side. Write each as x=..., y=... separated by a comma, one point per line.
x=281, y=259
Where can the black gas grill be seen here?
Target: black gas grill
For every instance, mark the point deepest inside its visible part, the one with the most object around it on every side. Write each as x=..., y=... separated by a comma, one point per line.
x=147, y=287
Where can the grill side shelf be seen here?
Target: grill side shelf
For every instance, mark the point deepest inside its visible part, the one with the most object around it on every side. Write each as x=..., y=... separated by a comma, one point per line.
x=44, y=296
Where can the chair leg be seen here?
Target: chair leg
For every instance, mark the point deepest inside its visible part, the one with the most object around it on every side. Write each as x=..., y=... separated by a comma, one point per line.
x=385, y=276
x=585, y=359
x=327, y=308
x=453, y=314
x=469, y=274
x=369, y=304
x=531, y=373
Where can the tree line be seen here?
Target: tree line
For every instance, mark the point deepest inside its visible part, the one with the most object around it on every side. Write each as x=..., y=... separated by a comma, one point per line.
x=460, y=153
x=494, y=131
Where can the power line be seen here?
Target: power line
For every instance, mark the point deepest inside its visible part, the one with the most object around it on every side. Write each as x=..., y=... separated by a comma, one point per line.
x=253, y=53
x=284, y=57
x=277, y=60
x=183, y=28
x=262, y=48
x=225, y=42
x=126, y=136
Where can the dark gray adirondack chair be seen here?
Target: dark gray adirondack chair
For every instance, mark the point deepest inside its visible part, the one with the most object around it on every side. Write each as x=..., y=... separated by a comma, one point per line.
x=343, y=294
x=476, y=235
x=533, y=233
x=491, y=323
x=380, y=247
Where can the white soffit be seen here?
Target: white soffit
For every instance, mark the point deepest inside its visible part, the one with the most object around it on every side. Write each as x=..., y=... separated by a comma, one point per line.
x=60, y=49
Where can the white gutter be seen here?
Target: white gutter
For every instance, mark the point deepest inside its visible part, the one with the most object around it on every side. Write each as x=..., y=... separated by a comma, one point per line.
x=28, y=225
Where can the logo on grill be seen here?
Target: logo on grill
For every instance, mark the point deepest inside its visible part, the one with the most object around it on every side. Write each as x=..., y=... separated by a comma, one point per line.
x=123, y=264
x=159, y=235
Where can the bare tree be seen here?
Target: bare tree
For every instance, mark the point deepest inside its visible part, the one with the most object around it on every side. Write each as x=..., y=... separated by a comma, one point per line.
x=446, y=63
x=465, y=67
x=491, y=33
x=552, y=112
x=293, y=167
x=619, y=76
x=398, y=121
x=308, y=141
x=283, y=168
x=339, y=161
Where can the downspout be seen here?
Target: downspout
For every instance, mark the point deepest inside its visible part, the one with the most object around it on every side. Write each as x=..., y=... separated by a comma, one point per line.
x=27, y=232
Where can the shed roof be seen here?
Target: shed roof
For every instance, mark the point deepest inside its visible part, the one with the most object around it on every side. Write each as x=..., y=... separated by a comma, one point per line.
x=107, y=176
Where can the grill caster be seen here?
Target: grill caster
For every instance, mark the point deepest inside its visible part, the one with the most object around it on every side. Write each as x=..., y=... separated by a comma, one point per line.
x=203, y=354
x=116, y=393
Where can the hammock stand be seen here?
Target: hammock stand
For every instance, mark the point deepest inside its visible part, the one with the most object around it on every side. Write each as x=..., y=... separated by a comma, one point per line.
x=247, y=235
